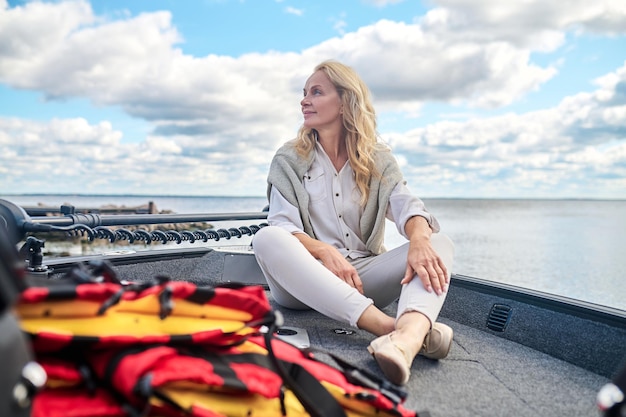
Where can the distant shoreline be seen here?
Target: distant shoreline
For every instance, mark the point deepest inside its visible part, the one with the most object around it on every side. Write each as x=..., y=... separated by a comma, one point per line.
x=127, y=195
x=2, y=195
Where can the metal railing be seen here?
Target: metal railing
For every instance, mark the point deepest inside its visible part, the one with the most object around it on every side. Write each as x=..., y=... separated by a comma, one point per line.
x=97, y=226
x=100, y=226
x=20, y=226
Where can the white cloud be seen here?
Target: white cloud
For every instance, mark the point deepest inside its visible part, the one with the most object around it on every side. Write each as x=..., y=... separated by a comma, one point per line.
x=294, y=11
x=528, y=24
x=134, y=63
x=540, y=153
x=218, y=119
x=382, y=3
x=31, y=36
x=70, y=154
x=403, y=63
x=581, y=141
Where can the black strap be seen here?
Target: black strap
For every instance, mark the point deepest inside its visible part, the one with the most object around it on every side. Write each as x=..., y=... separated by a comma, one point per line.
x=315, y=399
x=361, y=377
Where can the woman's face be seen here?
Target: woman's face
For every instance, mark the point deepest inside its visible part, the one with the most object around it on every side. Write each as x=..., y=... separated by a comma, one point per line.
x=321, y=105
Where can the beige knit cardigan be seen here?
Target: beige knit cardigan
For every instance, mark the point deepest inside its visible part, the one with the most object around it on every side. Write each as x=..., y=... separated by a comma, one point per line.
x=287, y=172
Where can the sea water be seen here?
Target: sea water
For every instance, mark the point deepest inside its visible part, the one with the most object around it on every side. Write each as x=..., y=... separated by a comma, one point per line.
x=572, y=248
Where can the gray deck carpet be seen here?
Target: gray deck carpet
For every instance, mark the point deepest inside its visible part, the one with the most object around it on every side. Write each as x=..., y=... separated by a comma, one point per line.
x=484, y=375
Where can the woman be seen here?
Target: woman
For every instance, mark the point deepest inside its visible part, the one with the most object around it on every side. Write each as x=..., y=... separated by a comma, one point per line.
x=330, y=191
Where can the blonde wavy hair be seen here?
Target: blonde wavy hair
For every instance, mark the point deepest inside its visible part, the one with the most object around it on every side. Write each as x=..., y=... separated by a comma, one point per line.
x=359, y=122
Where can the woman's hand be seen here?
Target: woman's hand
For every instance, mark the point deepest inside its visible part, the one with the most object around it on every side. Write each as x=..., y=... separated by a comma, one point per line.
x=333, y=260
x=422, y=260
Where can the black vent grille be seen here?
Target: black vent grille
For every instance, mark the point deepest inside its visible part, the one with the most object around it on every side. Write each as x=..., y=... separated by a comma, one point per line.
x=499, y=317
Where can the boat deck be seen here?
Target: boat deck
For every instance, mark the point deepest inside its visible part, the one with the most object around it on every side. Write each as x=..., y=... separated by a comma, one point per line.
x=515, y=352
x=485, y=374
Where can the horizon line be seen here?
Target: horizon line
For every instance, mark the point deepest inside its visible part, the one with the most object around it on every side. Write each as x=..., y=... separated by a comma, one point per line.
x=565, y=198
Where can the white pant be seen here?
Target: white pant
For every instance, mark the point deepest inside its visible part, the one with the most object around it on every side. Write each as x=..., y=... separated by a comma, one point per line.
x=299, y=281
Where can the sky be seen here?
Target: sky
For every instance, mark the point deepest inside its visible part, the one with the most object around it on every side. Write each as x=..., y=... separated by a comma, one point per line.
x=477, y=99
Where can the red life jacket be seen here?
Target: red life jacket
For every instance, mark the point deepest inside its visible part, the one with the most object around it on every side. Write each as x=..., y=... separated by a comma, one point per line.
x=103, y=315
x=173, y=348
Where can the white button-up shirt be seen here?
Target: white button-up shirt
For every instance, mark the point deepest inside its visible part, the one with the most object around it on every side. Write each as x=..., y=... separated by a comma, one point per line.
x=335, y=210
